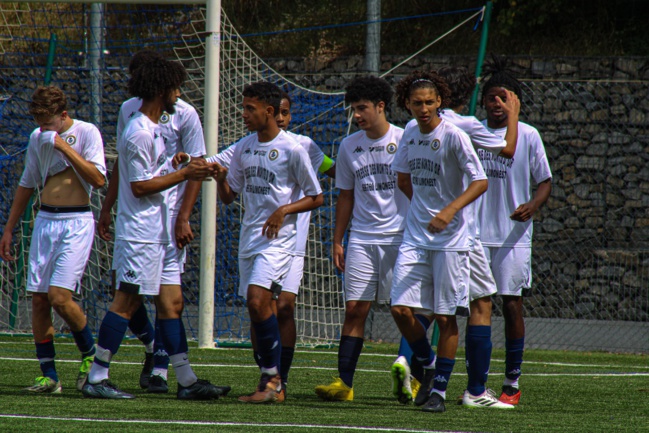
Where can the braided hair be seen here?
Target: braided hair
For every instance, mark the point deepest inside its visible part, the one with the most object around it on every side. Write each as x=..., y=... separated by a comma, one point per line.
x=461, y=82
x=499, y=76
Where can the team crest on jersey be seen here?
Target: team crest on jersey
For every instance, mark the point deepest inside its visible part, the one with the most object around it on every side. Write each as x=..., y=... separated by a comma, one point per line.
x=391, y=148
x=71, y=139
x=435, y=144
x=165, y=117
x=273, y=154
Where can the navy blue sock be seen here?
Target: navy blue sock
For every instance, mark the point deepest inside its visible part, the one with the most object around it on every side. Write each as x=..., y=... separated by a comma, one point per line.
x=404, y=349
x=85, y=342
x=416, y=367
x=46, y=354
x=286, y=362
x=422, y=352
x=111, y=333
x=257, y=356
x=173, y=336
x=443, y=370
x=140, y=325
x=160, y=355
x=269, y=343
x=513, y=357
x=478, y=357
x=348, y=353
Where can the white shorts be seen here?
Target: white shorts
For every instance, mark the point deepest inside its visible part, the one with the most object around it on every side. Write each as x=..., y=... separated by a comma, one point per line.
x=481, y=283
x=294, y=277
x=432, y=280
x=268, y=270
x=59, y=250
x=368, y=271
x=511, y=268
x=138, y=267
x=173, y=265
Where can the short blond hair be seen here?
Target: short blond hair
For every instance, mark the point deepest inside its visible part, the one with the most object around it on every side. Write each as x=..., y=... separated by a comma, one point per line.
x=48, y=101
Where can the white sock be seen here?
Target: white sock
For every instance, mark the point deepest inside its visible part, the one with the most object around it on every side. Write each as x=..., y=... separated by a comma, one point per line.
x=162, y=372
x=184, y=373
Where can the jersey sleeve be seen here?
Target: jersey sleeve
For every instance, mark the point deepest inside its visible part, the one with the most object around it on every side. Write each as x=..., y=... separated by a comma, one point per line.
x=121, y=122
x=481, y=137
x=344, y=172
x=539, y=165
x=302, y=172
x=193, y=141
x=400, y=161
x=235, y=178
x=93, y=149
x=468, y=158
x=316, y=155
x=139, y=151
x=224, y=157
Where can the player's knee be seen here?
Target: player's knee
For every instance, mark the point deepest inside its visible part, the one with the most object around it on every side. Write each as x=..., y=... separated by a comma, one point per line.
x=285, y=311
x=400, y=313
x=40, y=303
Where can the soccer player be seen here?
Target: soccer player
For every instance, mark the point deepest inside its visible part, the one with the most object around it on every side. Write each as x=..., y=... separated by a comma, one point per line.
x=182, y=132
x=285, y=306
x=438, y=168
x=368, y=196
x=271, y=171
x=482, y=285
x=505, y=217
x=65, y=160
x=143, y=232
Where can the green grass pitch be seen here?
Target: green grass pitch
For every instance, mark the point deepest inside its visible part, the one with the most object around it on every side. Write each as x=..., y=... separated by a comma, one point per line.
x=561, y=392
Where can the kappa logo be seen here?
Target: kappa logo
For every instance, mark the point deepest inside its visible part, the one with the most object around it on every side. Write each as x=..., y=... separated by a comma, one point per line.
x=247, y=152
x=391, y=148
x=130, y=274
x=411, y=142
x=440, y=378
x=155, y=136
x=260, y=152
x=71, y=139
x=273, y=154
x=435, y=144
x=358, y=150
x=165, y=118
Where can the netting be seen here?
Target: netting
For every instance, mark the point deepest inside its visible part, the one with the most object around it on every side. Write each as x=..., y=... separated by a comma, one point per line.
x=591, y=241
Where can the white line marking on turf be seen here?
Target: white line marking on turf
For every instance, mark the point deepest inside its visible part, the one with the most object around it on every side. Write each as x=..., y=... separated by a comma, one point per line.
x=217, y=423
x=364, y=370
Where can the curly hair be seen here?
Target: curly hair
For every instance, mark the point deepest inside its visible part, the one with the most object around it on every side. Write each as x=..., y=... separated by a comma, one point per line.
x=369, y=88
x=499, y=76
x=461, y=82
x=47, y=101
x=286, y=96
x=142, y=57
x=265, y=92
x=422, y=80
x=156, y=77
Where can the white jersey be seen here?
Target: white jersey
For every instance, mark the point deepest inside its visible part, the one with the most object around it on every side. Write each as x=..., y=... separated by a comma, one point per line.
x=441, y=165
x=269, y=175
x=182, y=132
x=481, y=138
x=43, y=161
x=365, y=166
x=316, y=156
x=142, y=157
x=510, y=185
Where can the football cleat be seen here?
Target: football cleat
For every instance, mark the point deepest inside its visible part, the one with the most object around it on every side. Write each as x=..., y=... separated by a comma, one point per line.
x=487, y=400
x=335, y=391
x=435, y=403
x=45, y=385
x=105, y=389
x=147, y=368
x=199, y=390
x=86, y=363
x=510, y=395
x=269, y=390
x=401, y=387
x=157, y=385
